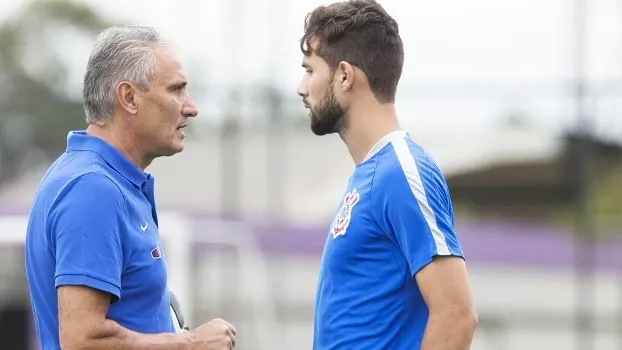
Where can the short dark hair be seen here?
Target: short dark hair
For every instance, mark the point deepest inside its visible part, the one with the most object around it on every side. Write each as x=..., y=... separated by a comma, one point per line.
x=363, y=34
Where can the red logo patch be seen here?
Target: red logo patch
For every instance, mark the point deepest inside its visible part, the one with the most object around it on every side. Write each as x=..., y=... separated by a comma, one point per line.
x=155, y=253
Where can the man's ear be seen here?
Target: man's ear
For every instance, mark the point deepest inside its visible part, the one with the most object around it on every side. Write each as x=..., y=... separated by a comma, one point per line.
x=126, y=95
x=345, y=75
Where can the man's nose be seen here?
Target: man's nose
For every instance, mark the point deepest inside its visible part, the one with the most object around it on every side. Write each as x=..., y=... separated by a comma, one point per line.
x=303, y=88
x=302, y=92
x=190, y=109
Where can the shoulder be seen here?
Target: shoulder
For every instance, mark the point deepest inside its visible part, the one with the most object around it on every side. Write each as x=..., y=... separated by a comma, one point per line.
x=90, y=202
x=96, y=183
x=73, y=175
x=86, y=192
x=84, y=168
x=76, y=172
x=405, y=164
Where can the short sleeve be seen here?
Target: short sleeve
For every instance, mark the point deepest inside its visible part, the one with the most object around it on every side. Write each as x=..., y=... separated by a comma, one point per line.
x=86, y=228
x=413, y=207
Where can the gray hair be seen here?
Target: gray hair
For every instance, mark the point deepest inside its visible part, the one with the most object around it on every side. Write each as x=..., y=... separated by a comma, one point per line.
x=125, y=53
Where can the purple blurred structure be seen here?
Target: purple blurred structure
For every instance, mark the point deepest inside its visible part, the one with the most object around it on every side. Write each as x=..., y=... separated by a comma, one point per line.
x=484, y=242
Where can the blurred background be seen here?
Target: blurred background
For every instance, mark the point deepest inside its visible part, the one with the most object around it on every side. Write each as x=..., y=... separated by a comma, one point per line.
x=519, y=101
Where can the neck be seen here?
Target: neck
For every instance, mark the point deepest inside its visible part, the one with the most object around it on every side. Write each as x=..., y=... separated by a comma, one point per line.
x=367, y=124
x=120, y=140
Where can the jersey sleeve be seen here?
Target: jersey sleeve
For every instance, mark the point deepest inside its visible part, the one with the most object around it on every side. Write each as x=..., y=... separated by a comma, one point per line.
x=413, y=208
x=86, y=230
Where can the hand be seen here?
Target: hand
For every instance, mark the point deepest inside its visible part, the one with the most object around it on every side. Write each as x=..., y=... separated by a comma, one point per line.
x=216, y=334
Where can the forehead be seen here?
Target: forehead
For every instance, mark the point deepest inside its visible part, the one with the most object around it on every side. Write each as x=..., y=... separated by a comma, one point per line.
x=312, y=59
x=169, y=66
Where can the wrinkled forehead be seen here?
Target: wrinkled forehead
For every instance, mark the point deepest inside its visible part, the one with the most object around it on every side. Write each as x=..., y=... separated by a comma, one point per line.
x=169, y=66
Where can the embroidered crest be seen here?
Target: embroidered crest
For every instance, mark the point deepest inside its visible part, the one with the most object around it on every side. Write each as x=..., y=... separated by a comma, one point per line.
x=155, y=253
x=340, y=225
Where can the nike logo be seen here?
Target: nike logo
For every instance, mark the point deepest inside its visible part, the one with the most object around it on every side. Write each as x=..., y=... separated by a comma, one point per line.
x=144, y=227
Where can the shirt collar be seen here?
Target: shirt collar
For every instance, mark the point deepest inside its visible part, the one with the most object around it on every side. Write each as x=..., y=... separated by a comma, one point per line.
x=81, y=141
x=385, y=140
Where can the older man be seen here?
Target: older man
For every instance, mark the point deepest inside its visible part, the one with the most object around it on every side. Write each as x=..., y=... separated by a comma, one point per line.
x=95, y=268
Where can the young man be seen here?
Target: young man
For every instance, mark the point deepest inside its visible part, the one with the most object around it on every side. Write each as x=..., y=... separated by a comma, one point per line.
x=392, y=274
x=95, y=268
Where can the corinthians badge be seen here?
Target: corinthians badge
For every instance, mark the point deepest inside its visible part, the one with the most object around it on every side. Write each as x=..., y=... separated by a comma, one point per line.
x=340, y=225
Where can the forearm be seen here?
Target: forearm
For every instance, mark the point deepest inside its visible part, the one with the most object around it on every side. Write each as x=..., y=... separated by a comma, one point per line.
x=111, y=335
x=446, y=331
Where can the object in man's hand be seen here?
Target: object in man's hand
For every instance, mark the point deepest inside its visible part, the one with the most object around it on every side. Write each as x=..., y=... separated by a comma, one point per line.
x=178, y=317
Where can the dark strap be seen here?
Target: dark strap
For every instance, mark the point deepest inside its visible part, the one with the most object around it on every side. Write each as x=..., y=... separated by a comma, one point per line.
x=177, y=309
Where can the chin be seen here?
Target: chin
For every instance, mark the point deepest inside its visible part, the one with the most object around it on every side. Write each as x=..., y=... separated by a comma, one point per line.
x=323, y=127
x=175, y=148
x=178, y=148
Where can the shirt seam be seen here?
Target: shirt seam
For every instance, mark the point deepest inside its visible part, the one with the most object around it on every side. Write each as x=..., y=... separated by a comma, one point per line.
x=93, y=276
x=71, y=183
x=374, y=216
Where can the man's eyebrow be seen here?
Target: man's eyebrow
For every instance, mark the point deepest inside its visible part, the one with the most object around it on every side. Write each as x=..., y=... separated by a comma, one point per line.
x=305, y=65
x=178, y=85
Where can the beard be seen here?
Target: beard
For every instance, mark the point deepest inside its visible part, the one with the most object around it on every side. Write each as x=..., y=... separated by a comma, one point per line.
x=328, y=116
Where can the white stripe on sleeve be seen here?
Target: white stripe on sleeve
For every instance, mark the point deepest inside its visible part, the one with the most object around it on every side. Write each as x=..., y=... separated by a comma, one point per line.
x=411, y=172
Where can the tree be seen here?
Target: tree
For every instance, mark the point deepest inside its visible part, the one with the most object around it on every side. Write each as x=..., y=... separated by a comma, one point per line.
x=35, y=106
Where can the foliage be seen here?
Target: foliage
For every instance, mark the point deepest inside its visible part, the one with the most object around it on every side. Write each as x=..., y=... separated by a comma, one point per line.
x=34, y=106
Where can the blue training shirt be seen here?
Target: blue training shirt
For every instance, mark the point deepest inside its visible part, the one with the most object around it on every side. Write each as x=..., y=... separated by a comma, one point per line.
x=93, y=223
x=395, y=217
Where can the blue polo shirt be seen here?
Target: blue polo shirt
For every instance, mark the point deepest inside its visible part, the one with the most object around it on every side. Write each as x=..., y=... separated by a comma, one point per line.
x=394, y=218
x=93, y=223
